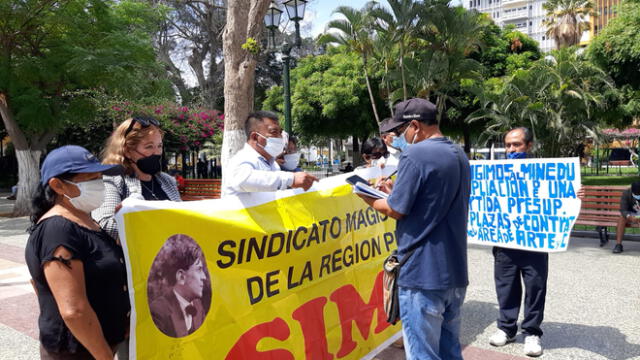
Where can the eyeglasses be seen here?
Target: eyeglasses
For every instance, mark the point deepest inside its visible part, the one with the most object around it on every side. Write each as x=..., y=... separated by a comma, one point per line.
x=143, y=121
x=375, y=155
x=400, y=129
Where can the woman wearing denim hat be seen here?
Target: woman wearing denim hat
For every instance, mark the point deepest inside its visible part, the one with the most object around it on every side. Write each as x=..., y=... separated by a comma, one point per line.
x=77, y=269
x=136, y=144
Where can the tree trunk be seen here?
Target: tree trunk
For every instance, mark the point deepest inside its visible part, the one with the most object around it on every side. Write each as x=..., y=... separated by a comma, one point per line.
x=28, y=180
x=370, y=90
x=244, y=20
x=28, y=156
x=356, y=151
x=404, y=80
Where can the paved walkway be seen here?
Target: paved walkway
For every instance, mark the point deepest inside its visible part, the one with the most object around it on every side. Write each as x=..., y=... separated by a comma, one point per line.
x=592, y=312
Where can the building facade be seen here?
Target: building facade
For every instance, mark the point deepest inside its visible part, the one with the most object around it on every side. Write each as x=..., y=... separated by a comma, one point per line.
x=525, y=15
x=607, y=10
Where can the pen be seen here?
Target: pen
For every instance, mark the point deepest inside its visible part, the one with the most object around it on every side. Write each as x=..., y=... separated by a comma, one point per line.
x=389, y=177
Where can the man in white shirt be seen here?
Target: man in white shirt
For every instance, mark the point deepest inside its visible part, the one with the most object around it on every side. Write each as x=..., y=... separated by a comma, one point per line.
x=254, y=169
x=388, y=138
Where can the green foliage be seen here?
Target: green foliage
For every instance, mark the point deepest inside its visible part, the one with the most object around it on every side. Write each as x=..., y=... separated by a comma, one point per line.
x=329, y=97
x=617, y=47
x=558, y=98
x=251, y=46
x=51, y=53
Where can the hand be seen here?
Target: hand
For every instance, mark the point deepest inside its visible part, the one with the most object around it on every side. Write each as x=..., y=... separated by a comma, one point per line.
x=581, y=192
x=303, y=180
x=384, y=184
x=118, y=207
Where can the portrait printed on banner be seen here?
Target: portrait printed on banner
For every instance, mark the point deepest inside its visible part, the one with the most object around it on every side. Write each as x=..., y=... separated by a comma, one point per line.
x=179, y=287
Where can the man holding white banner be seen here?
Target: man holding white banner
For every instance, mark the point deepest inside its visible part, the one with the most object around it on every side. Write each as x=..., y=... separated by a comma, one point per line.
x=513, y=266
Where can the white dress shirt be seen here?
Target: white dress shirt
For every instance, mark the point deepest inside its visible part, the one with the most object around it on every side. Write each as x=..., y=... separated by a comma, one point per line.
x=188, y=319
x=394, y=156
x=248, y=171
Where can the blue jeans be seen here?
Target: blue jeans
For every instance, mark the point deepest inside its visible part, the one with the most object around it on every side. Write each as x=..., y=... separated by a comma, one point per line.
x=431, y=323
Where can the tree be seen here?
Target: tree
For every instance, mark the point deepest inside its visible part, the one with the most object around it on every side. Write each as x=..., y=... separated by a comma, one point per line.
x=240, y=48
x=617, y=47
x=354, y=32
x=398, y=26
x=51, y=52
x=329, y=98
x=558, y=98
x=192, y=33
x=450, y=37
x=567, y=20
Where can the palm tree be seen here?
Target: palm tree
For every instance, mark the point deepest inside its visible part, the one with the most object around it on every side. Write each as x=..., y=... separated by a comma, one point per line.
x=557, y=97
x=399, y=25
x=355, y=32
x=567, y=20
x=384, y=55
x=449, y=36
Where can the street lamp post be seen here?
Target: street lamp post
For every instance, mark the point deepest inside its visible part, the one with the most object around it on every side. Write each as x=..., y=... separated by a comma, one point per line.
x=295, y=11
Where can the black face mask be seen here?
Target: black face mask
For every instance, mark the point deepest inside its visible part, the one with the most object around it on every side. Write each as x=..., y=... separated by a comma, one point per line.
x=150, y=165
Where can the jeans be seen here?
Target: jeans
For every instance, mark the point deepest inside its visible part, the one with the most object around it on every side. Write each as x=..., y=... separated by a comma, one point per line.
x=512, y=267
x=431, y=323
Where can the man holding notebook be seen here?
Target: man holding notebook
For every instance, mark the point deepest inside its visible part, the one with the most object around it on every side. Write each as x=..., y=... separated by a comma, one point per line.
x=430, y=201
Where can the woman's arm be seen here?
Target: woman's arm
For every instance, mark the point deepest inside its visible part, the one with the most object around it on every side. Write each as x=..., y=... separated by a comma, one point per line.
x=104, y=215
x=66, y=280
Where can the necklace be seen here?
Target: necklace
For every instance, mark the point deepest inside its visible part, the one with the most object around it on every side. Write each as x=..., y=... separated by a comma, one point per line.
x=150, y=190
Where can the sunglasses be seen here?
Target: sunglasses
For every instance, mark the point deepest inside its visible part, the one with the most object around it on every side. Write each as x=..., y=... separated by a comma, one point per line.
x=375, y=155
x=143, y=121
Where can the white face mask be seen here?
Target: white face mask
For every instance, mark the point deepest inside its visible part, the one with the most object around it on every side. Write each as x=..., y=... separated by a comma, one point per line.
x=275, y=145
x=91, y=195
x=291, y=161
x=378, y=162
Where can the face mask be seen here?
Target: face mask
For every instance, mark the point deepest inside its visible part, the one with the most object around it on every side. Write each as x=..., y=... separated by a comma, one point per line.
x=637, y=197
x=150, y=165
x=517, y=155
x=379, y=162
x=291, y=161
x=400, y=142
x=275, y=145
x=91, y=195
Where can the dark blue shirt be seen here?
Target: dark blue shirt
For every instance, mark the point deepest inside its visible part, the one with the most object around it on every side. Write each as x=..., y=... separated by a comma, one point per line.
x=432, y=192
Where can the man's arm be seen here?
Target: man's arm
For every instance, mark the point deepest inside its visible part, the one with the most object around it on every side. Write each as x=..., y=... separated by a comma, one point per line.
x=382, y=206
x=245, y=178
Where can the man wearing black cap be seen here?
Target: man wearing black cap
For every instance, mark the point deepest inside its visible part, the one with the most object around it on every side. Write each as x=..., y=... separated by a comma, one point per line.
x=630, y=210
x=430, y=201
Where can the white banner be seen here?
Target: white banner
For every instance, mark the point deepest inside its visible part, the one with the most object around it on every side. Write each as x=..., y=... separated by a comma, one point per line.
x=528, y=204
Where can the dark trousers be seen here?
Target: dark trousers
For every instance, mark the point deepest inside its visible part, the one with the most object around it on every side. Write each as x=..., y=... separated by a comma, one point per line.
x=512, y=268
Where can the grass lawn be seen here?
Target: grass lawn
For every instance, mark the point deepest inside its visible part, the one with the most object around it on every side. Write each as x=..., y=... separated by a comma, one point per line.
x=609, y=180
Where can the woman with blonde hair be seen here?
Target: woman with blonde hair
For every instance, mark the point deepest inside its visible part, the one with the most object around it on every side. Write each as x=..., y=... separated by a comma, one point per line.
x=136, y=144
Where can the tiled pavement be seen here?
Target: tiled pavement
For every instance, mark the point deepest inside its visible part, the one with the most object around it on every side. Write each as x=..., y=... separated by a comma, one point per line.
x=592, y=313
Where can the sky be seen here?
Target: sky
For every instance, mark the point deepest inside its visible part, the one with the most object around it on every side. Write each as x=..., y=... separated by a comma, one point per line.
x=318, y=13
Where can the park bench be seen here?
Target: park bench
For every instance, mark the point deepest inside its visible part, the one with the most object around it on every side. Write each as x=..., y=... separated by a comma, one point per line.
x=601, y=208
x=201, y=189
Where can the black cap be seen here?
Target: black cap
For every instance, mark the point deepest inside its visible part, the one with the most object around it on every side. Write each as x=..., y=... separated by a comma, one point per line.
x=73, y=159
x=412, y=109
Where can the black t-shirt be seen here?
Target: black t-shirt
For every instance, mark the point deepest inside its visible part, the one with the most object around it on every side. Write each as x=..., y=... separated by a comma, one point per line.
x=152, y=190
x=105, y=281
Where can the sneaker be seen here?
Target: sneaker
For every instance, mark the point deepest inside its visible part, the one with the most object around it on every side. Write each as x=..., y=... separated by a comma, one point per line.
x=617, y=249
x=500, y=338
x=532, y=346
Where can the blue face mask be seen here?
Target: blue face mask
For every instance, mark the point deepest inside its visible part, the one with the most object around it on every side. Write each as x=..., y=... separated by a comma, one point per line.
x=400, y=142
x=517, y=155
x=637, y=197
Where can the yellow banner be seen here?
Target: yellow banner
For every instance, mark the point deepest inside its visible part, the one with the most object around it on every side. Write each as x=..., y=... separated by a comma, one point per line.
x=286, y=276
